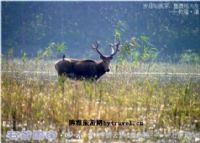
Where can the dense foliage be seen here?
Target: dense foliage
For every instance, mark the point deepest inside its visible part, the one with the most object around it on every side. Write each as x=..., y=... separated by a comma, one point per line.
x=172, y=27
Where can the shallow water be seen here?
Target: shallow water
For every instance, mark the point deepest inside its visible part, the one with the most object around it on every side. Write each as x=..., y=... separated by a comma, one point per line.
x=111, y=76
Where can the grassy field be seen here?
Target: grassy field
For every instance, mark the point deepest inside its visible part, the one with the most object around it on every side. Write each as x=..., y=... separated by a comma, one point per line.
x=169, y=109
x=48, y=66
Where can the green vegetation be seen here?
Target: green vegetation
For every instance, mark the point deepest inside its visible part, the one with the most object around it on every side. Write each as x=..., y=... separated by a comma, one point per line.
x=35, y=103
x=173, y=27
x=53, y=49
x=38, y=100
x=154, y=78
x=190, y=57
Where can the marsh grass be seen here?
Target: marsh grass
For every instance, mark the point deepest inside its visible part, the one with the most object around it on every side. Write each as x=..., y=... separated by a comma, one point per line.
x=162, y=105
x=48, y=66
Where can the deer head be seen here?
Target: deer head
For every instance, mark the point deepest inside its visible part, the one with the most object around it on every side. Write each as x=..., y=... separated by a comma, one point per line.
x=107, y=59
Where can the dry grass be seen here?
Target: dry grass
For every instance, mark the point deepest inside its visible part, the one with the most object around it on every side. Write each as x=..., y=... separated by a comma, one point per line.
x=160, y=104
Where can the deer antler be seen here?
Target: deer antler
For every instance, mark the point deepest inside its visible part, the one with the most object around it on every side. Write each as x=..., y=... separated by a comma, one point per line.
x=114, y=51
x=96, y=48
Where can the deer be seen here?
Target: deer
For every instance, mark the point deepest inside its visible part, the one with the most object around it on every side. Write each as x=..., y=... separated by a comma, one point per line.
x=86, y=69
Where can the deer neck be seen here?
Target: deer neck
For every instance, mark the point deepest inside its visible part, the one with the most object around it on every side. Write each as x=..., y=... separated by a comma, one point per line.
x=101, y=68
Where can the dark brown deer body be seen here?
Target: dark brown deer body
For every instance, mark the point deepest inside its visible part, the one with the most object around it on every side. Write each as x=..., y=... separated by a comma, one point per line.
x=85, y=69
